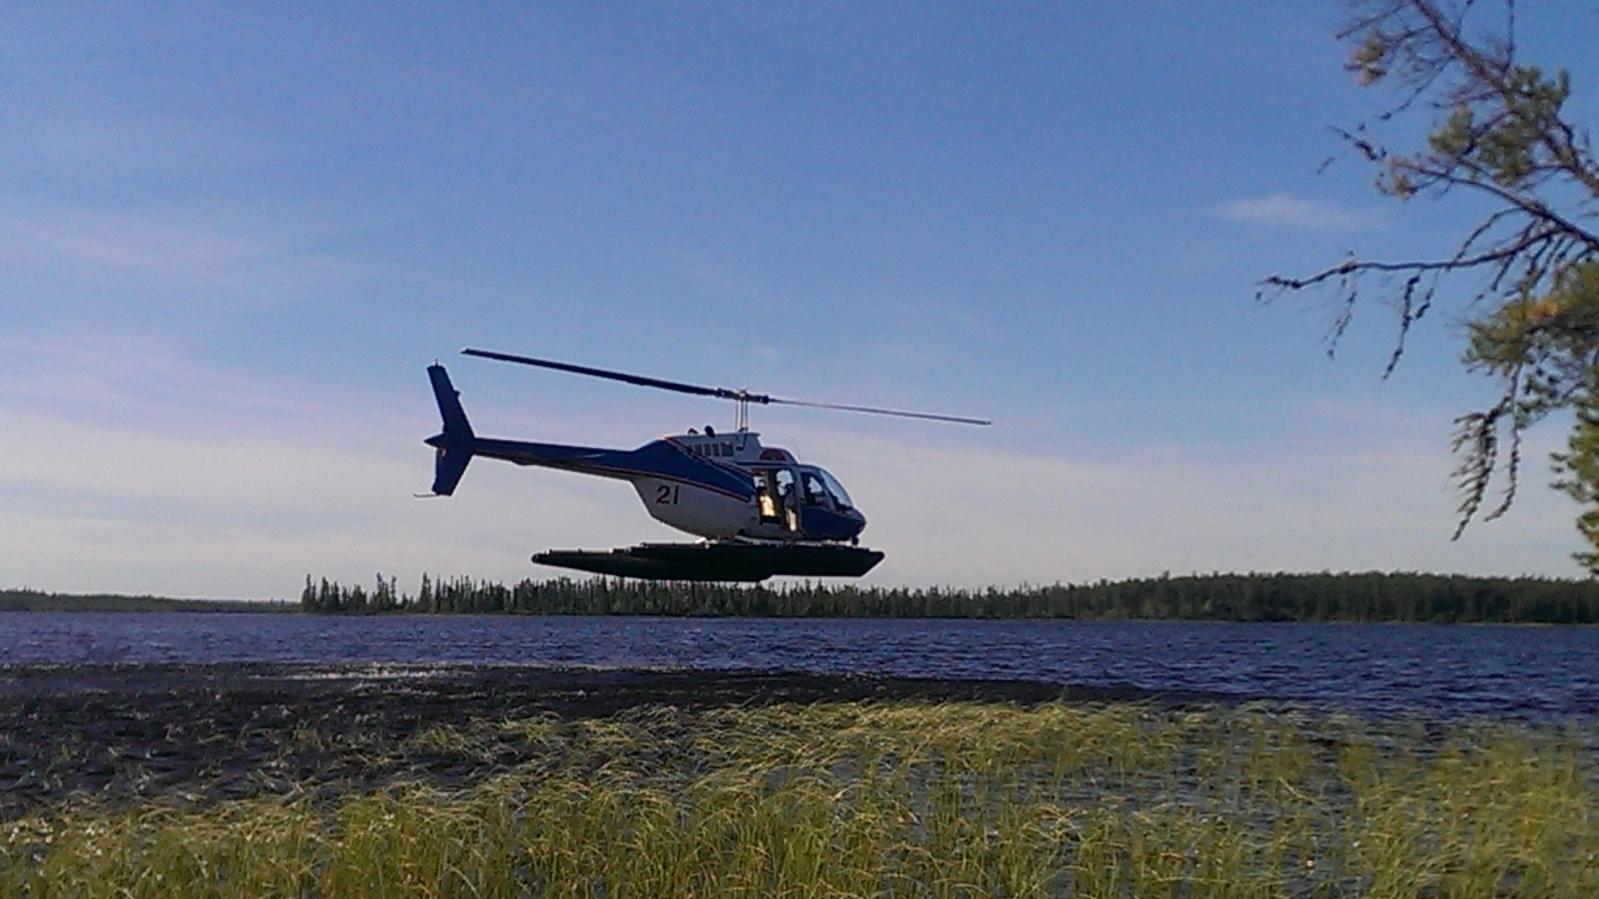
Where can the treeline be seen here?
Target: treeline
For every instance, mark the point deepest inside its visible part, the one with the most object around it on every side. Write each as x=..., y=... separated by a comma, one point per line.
x=25, y=600
x=1368, y=596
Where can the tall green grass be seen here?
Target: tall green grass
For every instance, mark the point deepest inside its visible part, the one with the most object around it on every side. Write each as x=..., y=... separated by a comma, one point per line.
x=904, y=799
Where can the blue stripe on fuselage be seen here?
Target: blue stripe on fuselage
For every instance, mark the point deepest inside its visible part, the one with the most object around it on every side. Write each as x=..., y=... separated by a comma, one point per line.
x=656, y=459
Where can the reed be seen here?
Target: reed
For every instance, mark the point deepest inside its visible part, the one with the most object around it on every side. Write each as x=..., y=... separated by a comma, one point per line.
x=901, y=799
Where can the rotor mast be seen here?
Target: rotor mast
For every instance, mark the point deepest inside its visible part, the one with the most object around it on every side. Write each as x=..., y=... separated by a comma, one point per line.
x=741, y=411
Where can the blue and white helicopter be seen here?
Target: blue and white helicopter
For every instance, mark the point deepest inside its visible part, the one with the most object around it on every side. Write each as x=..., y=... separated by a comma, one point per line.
x=761, y=511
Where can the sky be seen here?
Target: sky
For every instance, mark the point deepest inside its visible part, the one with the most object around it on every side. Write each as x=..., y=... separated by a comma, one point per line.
x=233, y=236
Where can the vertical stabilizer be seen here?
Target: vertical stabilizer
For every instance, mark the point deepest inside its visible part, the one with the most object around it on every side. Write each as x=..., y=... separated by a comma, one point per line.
x=455, y=444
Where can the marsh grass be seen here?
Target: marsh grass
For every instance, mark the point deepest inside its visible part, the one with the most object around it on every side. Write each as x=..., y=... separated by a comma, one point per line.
x=897, y=799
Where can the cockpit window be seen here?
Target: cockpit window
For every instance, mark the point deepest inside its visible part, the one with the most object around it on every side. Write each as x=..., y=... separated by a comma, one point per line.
x=785, y=501
x=814, y=490
x=840, y=496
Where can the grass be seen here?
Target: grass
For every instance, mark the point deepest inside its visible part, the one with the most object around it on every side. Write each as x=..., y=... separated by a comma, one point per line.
x=895, y=799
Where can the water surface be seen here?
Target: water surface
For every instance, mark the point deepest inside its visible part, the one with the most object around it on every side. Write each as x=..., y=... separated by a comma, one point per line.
x=1444, y=670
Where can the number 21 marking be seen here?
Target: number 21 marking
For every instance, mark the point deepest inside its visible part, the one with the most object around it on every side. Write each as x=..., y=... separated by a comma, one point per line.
x=666, y=494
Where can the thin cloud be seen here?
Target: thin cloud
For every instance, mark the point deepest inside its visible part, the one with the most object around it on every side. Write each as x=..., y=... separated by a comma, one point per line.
x=129, y=509
x=169, y=260
x=167, y=501
x=1287, y=210
x=133, y=507
x=1367, y=500
x=106, y=143
x=131, y=244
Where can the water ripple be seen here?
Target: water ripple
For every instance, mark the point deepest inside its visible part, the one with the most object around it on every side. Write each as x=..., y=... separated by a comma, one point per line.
x=1532, y=672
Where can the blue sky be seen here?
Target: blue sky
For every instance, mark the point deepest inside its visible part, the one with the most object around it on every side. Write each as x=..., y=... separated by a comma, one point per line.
x=232, y=238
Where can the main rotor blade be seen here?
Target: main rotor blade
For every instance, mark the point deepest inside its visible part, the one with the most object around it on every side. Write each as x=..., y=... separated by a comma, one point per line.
x=930, y=416
x=624, y=377
x=718, y=392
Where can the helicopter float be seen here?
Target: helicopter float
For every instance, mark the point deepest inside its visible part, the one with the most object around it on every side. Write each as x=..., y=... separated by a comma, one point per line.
x=761, y=511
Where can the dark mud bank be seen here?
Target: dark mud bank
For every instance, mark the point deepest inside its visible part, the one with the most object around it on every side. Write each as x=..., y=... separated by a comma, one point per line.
x=202, y=733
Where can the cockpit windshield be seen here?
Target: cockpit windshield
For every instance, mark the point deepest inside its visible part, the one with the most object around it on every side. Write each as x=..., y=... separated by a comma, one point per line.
x=840, y=495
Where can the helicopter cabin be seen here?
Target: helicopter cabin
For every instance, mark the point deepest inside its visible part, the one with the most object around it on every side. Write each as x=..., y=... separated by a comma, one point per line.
x=792, y=500
x=790, y=497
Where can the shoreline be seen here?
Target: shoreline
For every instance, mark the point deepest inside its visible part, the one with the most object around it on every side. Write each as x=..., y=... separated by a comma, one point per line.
x=567, y=687
x=504, y=780
x=208, y=732
x=289, y=608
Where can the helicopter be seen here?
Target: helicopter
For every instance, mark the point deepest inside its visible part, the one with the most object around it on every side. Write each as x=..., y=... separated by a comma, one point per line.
x=760, y=511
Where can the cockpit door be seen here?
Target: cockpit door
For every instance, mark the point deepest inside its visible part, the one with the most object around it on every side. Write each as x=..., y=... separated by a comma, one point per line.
x=777, y=498
x=813, y=490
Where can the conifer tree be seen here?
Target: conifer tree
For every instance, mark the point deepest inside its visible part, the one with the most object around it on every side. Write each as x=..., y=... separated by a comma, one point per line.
x=1525, y=264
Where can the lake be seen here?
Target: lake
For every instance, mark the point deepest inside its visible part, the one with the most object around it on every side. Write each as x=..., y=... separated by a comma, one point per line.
x=1513, y=671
